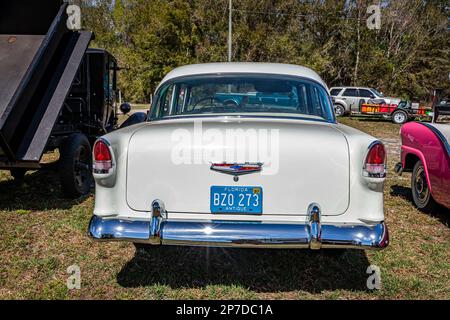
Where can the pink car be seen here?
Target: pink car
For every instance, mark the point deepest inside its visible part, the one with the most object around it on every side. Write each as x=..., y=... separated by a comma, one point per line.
x=426, y=153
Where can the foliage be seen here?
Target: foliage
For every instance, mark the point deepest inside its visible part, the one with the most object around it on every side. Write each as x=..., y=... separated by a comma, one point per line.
x=408, y=57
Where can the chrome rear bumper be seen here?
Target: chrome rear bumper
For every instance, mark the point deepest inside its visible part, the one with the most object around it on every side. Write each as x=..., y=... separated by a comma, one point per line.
x=240, y=234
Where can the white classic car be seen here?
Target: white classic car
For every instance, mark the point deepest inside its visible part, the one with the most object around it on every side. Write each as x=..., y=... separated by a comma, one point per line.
x=241, y=155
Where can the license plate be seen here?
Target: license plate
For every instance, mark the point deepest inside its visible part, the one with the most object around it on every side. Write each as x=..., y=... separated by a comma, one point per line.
x=243, y=200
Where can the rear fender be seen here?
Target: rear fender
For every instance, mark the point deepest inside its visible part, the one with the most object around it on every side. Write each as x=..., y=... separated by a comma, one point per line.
x=408, y=151
x=342, y=103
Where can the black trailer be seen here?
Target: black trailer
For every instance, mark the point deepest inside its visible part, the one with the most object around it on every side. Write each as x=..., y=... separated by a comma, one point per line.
x=55, y=93
x=441, y=104
x=399, y=114
x=441, y=109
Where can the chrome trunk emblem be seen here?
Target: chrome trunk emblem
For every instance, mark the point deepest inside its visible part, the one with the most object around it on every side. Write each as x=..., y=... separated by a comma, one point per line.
x=237, y=169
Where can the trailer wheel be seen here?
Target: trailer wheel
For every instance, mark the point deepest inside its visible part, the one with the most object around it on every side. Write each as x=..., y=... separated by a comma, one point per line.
x=18, y=173
x=399, y=117
x=75, y=166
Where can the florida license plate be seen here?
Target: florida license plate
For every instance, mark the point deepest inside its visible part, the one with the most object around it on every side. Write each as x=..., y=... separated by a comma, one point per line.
x=242, y=200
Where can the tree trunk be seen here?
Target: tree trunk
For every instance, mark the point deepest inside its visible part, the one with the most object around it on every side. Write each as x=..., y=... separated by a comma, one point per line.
x=358, y=31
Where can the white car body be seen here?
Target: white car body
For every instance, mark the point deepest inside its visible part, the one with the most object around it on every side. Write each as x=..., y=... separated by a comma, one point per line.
x=319, y=197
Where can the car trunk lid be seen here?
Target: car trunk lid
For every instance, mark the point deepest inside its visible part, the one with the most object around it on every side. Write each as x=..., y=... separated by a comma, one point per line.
x=303, y=162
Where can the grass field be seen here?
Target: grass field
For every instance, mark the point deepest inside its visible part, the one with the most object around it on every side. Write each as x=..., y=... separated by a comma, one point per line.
x=41, y=235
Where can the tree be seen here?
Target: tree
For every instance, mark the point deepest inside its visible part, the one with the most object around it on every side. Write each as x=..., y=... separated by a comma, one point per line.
x=408, y=57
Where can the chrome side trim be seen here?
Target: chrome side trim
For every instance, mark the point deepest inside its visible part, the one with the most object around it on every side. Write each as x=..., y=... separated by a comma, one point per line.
x=241, y=234
x=439, y=135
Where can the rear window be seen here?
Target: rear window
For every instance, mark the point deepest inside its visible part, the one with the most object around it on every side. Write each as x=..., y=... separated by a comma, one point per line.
x=242, y=94
x=335, y=92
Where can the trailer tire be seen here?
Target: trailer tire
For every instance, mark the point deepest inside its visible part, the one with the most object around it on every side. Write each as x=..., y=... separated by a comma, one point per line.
x=18, y=174
x=75, y=164
x=399, y=117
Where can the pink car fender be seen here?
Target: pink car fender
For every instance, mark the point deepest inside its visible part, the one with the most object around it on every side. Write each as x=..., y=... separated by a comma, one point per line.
x=422, y=141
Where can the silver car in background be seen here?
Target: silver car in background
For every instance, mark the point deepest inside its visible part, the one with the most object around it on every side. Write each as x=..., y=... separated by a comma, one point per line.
x=348, y=100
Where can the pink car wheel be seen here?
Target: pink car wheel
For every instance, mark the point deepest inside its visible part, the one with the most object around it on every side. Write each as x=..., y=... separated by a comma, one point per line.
x=420, y=188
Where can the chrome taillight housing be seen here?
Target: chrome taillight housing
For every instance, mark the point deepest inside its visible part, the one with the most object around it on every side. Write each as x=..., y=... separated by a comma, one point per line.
x=375, y=161
x=102, y=163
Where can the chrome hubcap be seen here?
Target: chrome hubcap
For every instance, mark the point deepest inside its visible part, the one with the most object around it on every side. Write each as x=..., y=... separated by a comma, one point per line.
x=399, y=117
x=338, y=111
x=421, y=185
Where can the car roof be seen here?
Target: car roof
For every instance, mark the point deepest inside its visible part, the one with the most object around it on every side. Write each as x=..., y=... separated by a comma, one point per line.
x=244, y=67
x=344, y=87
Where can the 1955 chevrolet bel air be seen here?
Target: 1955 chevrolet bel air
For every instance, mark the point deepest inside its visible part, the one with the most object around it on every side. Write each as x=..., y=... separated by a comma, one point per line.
x=269, y=169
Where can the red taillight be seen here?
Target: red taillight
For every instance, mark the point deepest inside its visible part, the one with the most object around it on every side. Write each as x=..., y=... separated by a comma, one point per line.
x=102, y=158
x=101, y=152
x=375, y=164
x=377, y=154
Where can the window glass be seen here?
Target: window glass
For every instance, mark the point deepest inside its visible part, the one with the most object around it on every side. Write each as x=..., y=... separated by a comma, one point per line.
x=350, y=93
x=365, y=93
x=243, y=94
x=335, y=92
x=165, y=102
x=377, y=93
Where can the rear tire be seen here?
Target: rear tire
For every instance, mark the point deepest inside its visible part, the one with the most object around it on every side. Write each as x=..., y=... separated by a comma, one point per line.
x=339, y=110
x=420, y=189
x=399, y=117
x=75, y=166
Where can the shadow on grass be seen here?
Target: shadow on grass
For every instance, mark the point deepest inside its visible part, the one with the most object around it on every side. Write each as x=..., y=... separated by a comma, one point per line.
x=39, y=190
x=258, y=270
x=440, y=213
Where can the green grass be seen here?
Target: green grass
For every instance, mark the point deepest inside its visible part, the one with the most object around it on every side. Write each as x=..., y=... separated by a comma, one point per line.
x=41, y=234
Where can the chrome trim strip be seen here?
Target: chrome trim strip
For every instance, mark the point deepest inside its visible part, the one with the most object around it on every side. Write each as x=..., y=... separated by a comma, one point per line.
x=237, y=234
x=240, y=116
x=439, y=135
